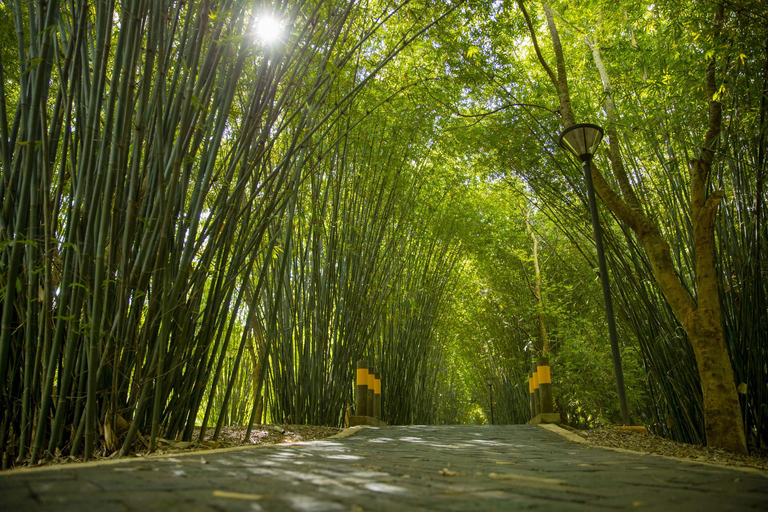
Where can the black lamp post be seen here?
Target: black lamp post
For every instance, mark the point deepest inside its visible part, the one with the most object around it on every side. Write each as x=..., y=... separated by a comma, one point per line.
x=582, y=141
x=489, y=381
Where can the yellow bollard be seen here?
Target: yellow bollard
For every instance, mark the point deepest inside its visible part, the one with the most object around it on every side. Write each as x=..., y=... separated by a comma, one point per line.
x=377, y=396
x=545, y=384
x=536, y=394
x=361, y=402
x=371, y=385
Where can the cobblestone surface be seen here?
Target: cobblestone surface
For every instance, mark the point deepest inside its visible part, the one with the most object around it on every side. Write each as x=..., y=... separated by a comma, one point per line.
x=455, y=468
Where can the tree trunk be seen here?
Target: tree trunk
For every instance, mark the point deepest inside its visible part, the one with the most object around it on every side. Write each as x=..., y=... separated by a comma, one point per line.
x=544, y=348
x=722, y=412
x=700, y=316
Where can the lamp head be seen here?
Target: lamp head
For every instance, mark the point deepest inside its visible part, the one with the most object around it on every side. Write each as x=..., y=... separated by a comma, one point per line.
x=581, y=140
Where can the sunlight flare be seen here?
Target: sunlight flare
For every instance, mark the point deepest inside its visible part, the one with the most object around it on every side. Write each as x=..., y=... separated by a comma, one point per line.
x=268, y=28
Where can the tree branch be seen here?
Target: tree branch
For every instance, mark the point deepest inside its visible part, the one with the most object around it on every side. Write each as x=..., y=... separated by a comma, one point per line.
x=536, y=43
x=504, y=107
x=701, y=167
x=715, y=107
x=562, y=76
x=527, y=280
x=614, y=151
x=657, y=248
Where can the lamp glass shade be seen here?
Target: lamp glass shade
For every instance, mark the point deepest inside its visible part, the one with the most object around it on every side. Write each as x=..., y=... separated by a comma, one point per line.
x=581, y=139
x=488, y=381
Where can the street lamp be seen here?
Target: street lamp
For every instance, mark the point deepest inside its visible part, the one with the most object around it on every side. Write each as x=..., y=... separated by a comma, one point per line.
x=489, y=381
x=582, y=141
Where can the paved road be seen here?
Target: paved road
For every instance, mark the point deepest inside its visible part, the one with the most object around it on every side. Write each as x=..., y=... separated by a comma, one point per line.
x=462, y=468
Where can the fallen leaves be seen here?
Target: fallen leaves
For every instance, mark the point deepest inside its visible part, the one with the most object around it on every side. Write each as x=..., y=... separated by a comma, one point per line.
x=632, y=429
x=650, y=443
x=269, y=434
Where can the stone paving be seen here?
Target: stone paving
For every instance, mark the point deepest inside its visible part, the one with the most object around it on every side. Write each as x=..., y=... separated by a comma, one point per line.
x=453, y=468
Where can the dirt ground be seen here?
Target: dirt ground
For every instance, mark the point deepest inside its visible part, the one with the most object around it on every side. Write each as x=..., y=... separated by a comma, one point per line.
x=269, y=434
x=228, y=437
x=645, y=442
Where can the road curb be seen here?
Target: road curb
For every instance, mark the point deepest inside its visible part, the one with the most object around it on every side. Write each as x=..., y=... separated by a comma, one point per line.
x=347, y=432
x=564, y=433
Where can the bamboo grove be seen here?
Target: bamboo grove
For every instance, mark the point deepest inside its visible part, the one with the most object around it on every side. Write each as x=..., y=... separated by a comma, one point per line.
x=201, y=228
x=177, y=193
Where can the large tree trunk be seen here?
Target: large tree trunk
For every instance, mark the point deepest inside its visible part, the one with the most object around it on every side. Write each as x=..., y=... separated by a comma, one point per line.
x=700, y=317
x=722, y=412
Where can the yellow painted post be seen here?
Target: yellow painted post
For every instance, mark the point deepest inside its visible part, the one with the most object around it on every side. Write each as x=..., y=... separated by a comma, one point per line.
x=371, y=385
x=545, y=384
x=536, y=393
x=361, y=391
x=377, y=395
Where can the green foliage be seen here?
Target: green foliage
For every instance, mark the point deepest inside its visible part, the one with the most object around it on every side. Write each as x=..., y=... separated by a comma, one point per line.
x=207, y=219
x=656, y=55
